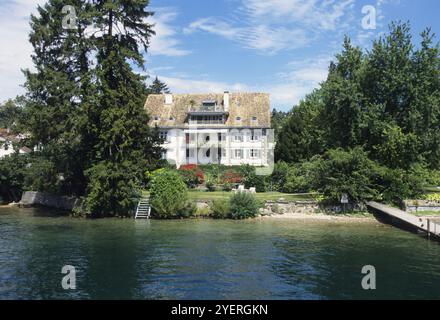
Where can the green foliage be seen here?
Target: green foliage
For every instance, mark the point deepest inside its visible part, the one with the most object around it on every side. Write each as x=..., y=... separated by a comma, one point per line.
x=42, y=175
x=84, y=106
x=168, y=194
x=386, y=100
x=279, y=176
x=210, y=186
x=220, y=209
x=111, y=190
x=189, y=210
x=302, y=134
x=349, y=172
x=399, y=184
x=243, y=205
x=12, y=176
x=158, y=87
x=11, y=112
x=251, y=179
x=300, y=178
x=277, y=121
x=432, y=197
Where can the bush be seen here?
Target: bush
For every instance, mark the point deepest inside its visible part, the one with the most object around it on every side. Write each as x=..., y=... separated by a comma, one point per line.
x=189, y=210
x=12, y=177
x=111, y=190
x=279, y=175
x=220, y=209
x=232, y=177
x=192, y=175
x=300, y=178
x=210, y=186
x=227, y=187
x=254, y=180
x=243, y=205
x=349, y=172
x=399, y=184
x=168, y=194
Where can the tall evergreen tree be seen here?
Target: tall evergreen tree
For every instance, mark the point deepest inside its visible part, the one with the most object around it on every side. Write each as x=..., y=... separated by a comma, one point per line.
x=85, y=103
x=158, y=87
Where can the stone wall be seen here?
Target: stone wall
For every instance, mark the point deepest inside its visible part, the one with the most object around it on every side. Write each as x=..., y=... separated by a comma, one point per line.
x=420, y=205
x=307, y=207
x=33, y=198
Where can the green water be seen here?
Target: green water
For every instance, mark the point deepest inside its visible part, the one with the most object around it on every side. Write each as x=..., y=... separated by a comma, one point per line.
x=205, y=259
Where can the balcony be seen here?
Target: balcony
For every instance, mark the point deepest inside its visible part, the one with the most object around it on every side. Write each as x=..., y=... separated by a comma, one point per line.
x=207, y=109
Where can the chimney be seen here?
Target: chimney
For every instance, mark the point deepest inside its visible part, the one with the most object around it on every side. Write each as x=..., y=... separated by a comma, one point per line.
x=226, y=100
x=168, y=99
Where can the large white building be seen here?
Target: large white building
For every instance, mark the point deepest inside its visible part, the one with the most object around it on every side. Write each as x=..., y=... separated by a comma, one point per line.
x=227, y=128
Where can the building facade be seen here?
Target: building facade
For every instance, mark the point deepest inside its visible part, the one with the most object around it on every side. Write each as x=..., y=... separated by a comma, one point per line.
x=227, y=128
x=9, y=143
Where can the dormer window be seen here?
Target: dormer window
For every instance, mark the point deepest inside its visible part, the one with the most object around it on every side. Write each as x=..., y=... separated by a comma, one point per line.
x=156, y=118
x=172, y=119
x=254, y=118
x=238, y=118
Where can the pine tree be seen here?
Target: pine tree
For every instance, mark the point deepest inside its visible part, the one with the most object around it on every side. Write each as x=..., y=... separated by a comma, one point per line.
x=158, y=87
x=85, y=103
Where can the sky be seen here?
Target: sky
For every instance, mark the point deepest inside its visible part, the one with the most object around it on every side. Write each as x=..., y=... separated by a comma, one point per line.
x=282, y=47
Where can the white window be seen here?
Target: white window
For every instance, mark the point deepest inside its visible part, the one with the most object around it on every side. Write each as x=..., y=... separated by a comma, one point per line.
x=255, y=153
x=238, y=137
x=164, y=155
x=223, y=153
x=238, y=154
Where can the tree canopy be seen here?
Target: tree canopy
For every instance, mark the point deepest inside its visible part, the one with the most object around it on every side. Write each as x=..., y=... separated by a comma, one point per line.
x=84, y=108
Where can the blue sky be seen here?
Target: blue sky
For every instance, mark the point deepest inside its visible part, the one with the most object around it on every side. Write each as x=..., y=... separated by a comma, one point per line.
x=282, y=47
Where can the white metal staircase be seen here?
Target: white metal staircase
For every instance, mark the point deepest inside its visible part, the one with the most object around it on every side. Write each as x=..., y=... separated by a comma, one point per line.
x=143, y=209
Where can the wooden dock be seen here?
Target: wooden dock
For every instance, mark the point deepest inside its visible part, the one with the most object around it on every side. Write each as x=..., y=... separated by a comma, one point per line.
x=423, y=225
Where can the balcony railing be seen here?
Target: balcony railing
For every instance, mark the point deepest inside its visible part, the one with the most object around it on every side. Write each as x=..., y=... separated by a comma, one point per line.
x=210, y=108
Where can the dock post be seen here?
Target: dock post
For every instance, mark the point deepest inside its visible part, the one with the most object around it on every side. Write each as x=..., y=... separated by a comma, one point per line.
x=429, y=231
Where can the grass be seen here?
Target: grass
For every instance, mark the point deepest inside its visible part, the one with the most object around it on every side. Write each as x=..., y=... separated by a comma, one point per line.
x=198, y=195
x=426, y=213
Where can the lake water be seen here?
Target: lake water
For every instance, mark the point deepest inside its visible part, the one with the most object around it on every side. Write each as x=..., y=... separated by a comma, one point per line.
x=206, y=259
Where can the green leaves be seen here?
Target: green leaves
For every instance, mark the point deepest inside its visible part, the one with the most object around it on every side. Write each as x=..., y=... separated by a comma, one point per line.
x=168, y=194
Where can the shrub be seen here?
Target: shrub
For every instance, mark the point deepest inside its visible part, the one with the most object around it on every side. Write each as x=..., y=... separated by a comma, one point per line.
x=230, y=176
x=220, y=209
x=254, y=180
x=227, y=187
x=399, y=184
x=299, y=178
x=111, y=190
x=243, y=205
x=432, y=197
x=168, y=194
x=349, y=172
x=192, y=175
x=210, y=186
x=279, y=175
x=189, y=210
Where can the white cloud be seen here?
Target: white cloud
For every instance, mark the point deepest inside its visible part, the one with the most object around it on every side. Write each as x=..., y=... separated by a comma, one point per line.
x=311, y=13
x=15, y=49
x=272, y=26
x=286, y=89
x=261, y=37
x=165, y=41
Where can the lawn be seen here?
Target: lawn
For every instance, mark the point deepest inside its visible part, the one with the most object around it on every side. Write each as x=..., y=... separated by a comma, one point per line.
x=265, y=196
